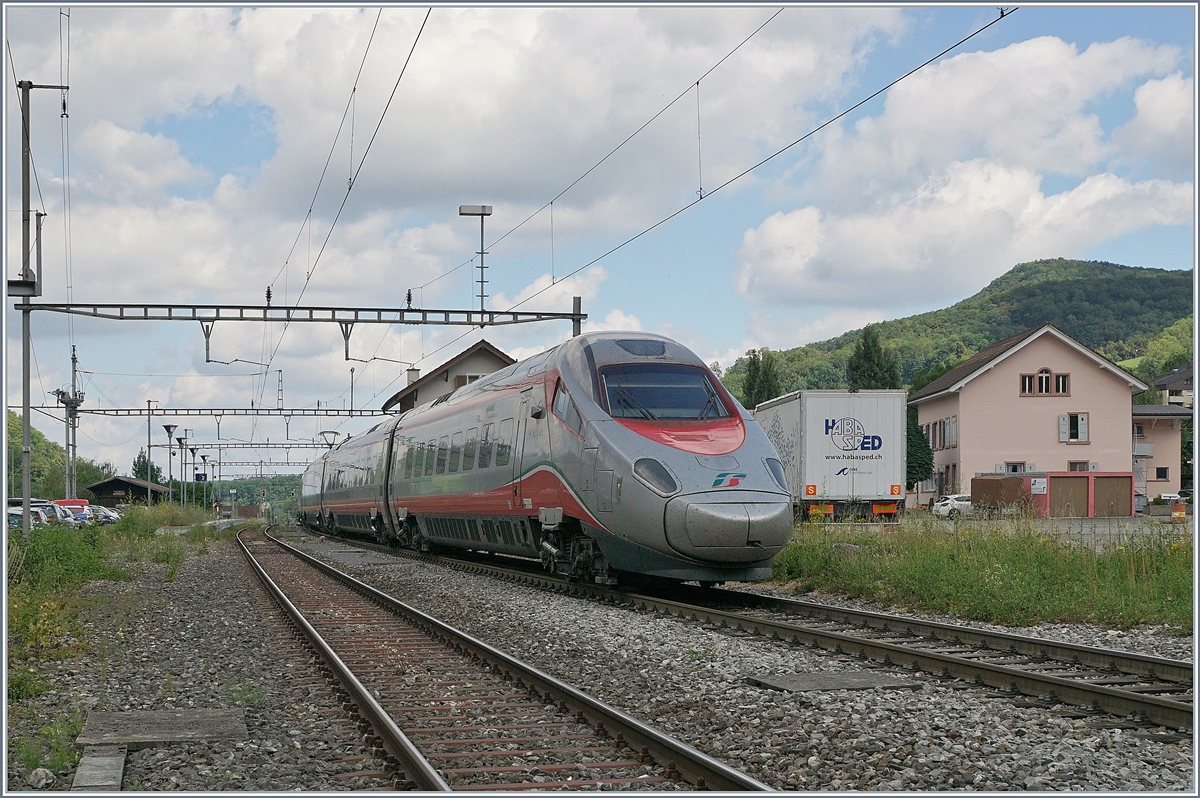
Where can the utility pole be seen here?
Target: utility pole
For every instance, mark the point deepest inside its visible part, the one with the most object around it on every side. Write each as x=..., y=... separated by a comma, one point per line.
x=26, y=286
x=149, y=466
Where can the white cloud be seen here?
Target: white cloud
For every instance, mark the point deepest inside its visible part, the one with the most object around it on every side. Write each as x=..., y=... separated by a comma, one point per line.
x=963, y=227
x=1163, y=131
x=1024, y=106
x=133, y=163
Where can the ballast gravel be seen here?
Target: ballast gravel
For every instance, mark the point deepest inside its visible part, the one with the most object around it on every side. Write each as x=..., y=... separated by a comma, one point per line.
x=689, y=680
x=210, y=639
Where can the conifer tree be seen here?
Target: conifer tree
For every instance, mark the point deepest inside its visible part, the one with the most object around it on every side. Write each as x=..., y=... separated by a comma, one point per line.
x=139, y=468
x=919, y=457
x=872, y=366
x=762, y=378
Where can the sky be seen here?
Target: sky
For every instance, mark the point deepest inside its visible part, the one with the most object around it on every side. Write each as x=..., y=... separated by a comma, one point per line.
x=206, y=153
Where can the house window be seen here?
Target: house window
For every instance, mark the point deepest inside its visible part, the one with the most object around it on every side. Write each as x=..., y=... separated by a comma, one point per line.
x=1043, y=381
x=1073, y=428
x=1077, y=465
x=1014, y=468
x=1026, y=384
x=1062, y=383
x=1137, y=431
x=1162, y=473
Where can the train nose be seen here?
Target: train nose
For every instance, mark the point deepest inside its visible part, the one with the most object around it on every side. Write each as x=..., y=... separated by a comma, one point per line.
x=719, y=527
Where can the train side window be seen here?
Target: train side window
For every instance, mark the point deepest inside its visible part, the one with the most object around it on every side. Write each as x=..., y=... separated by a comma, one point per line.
x=485, y=446
x=455, y=451
x=430, y=453
x=468, y=460
x=442, y=448
x=565, y=409
x=408, y=461
x=504, y=442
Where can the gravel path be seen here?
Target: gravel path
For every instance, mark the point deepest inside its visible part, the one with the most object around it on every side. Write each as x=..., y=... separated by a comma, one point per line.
x=210, y=639
x=690, y=680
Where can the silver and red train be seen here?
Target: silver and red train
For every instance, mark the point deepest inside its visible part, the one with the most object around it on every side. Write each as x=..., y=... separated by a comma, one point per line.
x=611, y=453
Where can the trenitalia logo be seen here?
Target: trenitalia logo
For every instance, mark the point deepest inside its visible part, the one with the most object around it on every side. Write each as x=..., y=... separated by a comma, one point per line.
x=728, y=479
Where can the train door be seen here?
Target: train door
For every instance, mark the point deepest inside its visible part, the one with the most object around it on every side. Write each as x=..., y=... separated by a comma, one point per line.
x=519, y=449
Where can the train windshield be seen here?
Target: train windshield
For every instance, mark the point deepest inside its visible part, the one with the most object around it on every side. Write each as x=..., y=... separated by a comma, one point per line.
x=660, y=391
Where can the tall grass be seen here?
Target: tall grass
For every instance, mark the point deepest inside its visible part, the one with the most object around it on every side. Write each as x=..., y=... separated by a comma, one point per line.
x=46, y=570
x=1009, y=572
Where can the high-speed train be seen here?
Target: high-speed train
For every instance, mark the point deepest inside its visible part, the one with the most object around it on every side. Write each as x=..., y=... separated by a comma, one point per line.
x=612, y=453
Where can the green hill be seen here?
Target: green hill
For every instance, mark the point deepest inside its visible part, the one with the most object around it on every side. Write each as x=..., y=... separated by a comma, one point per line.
x=1116, y=310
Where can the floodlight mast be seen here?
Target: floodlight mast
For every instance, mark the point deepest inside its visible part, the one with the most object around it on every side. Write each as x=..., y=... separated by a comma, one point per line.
x=480, y=211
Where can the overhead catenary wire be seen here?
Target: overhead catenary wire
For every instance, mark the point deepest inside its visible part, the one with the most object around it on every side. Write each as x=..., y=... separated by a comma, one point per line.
x=1003, y=13
x=615, y=149
x=328, y=159
x=353, y=179
x=32, y=163
x=64, y=126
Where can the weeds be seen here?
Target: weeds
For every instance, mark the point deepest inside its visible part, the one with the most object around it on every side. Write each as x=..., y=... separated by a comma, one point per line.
x=53, y=745
x=247, y=695
x=25, y=682
x=1008, y=572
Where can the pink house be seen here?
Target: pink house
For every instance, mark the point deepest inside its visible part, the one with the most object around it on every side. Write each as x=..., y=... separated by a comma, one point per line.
x=1157, y=444
x=1038, y=401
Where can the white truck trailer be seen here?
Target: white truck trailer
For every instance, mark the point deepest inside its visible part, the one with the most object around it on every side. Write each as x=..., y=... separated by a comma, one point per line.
x=844, y=452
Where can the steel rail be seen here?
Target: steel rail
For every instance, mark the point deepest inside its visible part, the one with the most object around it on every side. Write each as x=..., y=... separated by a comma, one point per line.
x=1161, y=711
x=696, y=767
x=1092, y=656
x=416, y=768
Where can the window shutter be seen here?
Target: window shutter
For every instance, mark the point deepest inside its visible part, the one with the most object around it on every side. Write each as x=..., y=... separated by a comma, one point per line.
x=1083, y=430
x=1064, y=428
x=460, y=380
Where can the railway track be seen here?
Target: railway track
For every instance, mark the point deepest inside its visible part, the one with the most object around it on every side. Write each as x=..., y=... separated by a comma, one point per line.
x=458, y=714
x=1155, y=690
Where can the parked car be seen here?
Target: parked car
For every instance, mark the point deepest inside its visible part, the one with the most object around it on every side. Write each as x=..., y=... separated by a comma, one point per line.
x=104, y=515
x=953, y=506
x=37, y=516
x=1185, y=494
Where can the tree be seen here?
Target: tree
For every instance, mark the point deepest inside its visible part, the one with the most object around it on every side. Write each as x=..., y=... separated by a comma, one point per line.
x=872, y=366
x=139, y=468
x=762, y=378
x=919, y=455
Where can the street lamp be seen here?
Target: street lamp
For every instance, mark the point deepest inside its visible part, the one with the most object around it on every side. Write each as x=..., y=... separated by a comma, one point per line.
x=170, y=487
x=182, y=468
x=204, y=465
x=480, y=211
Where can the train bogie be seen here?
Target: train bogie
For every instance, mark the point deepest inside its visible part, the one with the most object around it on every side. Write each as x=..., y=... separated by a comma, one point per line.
x=609, y=453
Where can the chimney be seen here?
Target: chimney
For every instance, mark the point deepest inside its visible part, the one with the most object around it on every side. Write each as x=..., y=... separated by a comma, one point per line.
x=413, y=375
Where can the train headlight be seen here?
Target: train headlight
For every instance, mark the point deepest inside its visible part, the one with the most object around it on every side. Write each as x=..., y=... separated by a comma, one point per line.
x=655, y=474
x=776, y=468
